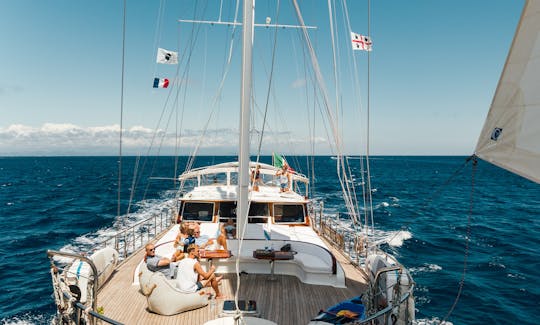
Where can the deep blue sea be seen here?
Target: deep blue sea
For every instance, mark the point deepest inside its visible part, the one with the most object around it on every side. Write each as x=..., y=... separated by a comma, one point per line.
x=66, y=202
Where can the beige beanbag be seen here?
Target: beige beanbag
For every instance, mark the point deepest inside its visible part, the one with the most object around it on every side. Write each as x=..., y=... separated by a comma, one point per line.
x=162, y=296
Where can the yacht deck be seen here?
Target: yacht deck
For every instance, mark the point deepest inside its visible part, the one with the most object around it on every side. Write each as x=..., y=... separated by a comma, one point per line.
x=285, y=300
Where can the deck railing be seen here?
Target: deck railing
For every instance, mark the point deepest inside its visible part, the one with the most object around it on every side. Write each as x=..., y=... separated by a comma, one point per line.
x=129, y=240
x=347, y=240
x=125, y=242
x=352, y=244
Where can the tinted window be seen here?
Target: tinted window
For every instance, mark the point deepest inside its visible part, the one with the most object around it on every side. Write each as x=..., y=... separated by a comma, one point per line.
x=198, y=211
x=288, y=213
x=227, y=210
x=258, y=209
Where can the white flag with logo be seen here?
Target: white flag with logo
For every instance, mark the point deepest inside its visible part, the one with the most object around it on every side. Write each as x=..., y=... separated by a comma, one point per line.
x=360, y=42
x=166, y=57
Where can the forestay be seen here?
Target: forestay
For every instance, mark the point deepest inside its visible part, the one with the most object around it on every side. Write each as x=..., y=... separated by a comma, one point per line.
x=511, y=135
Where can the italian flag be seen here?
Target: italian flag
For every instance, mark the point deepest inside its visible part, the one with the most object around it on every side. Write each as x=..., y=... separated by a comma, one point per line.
x=278, y=161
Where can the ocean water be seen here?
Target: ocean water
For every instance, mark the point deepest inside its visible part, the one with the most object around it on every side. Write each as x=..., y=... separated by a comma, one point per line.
x=70, y=202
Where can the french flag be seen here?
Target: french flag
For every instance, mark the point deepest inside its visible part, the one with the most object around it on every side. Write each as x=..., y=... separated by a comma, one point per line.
x=161, y=83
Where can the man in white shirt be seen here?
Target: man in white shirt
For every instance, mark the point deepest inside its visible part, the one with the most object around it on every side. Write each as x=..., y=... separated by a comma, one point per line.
x=191, y=276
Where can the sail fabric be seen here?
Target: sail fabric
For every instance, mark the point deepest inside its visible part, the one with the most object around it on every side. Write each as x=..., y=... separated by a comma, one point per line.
x=511, y=135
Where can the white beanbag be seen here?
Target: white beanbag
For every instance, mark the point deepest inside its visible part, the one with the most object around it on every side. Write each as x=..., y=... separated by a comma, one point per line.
x=162, y=296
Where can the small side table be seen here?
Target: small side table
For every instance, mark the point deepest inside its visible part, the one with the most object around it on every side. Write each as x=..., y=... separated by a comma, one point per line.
x=272, y=256
x=210, y=255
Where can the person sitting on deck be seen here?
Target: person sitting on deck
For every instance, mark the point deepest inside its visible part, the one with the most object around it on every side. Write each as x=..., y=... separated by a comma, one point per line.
x=204, y=241
x=183, y=239
x=156, y=263
x=192, y=278
x=229, y=229
x=182, y=235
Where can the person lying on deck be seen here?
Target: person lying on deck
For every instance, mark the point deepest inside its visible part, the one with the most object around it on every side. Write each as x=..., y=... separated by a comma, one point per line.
x=205, y=241
x=156, y=263
x=192, y=278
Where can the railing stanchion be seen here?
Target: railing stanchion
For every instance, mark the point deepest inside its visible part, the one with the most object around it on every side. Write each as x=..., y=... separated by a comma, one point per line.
x=133, y=234
x=125, y=246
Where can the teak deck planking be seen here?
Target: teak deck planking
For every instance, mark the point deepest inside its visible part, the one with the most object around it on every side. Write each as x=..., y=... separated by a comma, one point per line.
x=284, y=300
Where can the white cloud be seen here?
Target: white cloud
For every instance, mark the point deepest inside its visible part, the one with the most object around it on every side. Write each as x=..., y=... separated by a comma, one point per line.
x=17, y=130
x=61, y=128
x=65, y=139
x=69, y=139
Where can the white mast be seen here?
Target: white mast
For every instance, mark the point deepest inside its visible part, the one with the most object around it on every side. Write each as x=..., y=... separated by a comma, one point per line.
x=243, y=154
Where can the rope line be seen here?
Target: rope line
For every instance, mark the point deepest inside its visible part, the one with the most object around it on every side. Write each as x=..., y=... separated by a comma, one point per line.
x=467, y=242
x=118, y=208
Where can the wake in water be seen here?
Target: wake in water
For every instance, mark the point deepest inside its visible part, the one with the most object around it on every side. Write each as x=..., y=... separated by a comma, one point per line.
x=28, y=319
x=145, y=209
x=433, y=321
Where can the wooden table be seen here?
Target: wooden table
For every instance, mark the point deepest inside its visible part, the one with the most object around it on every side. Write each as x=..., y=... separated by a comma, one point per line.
x=210, y=255
x=272, y=256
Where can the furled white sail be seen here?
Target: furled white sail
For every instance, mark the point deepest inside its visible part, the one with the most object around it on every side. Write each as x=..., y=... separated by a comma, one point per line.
x=511, y=135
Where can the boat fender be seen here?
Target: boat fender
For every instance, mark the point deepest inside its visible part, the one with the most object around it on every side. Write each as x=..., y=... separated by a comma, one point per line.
x=78, y=274
x=79, y=269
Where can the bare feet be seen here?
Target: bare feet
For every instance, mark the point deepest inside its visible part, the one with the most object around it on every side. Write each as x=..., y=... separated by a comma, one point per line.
x=220, y=296
x=218, y=278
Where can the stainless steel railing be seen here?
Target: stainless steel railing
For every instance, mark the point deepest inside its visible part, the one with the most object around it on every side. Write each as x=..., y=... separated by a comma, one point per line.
x=125, y=242
x=129, y=240
x=348, y=240
x=353, y=246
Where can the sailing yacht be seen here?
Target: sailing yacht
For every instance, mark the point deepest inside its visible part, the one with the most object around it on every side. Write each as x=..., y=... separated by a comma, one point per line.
x=285, y=263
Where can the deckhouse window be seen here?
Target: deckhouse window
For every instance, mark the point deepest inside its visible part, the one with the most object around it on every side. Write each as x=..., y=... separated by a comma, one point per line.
x=289, y=213
x=227, y=210
x=258, y=209
x=199, y=211
x=214, y=179
x=258, y=212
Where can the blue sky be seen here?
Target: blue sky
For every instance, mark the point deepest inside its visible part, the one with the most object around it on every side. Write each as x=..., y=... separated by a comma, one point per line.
x=435, y=66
